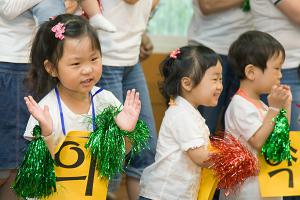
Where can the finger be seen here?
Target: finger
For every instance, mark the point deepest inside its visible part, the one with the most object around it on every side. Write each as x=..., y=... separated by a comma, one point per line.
x=34, y=103
x=46, y=110
x=131, y=97
x=136, y=98
x=126, y=99
x=138, y=107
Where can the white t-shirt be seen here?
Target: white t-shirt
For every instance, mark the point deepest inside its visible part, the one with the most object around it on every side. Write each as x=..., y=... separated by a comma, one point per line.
x=72, y=121
x=270, y=19
x=218, y=30
x=242, y=120
x=174, y=175
x=122, y=47
x=17, y=28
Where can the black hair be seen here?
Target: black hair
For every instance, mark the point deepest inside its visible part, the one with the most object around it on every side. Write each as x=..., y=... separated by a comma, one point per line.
x=255, y=48
x=47, y=47
x=192, y=62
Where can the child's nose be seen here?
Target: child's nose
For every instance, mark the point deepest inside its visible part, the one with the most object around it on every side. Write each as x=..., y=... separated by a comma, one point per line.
x=87, y=69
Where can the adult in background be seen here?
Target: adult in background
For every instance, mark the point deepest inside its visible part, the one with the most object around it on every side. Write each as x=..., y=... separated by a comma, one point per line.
x=122, y=70
x=216, y=24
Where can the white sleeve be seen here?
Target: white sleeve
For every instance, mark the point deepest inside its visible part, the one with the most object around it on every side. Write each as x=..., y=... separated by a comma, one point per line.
x=244, y=119
x=10, y=9
x=189, y=133
x=275, y=2
x=29, y=128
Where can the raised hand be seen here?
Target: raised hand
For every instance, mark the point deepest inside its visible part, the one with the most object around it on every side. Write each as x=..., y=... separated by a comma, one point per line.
x=127, y=118
x=278, y=96
x=42, y=115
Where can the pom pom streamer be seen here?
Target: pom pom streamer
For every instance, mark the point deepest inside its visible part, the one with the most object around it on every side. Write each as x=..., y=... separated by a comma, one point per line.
x=36, y=176
x=277, y=146
x=246, y=6
x=107, y=143
x=232, y=162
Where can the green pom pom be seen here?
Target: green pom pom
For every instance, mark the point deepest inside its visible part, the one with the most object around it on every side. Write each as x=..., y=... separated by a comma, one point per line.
x=246, y=6
x=107, y=143
x=277, y=146
x=36, y=176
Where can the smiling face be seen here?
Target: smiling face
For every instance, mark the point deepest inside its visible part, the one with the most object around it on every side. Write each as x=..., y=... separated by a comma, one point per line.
x=208, y=91
x=80, y=66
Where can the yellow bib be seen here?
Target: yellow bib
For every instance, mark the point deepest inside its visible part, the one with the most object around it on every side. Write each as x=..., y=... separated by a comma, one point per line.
x=77, y=178
x=281, y=179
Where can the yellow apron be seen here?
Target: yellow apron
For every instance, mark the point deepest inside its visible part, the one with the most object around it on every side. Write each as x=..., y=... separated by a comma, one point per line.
x=208, y=185
x=76, y=176
x=281, y=179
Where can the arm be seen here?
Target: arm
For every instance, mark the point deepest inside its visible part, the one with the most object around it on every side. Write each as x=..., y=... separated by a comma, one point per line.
x=146, y=47
x=128, y=117
x=277, y=99
x=13, y=8
x=199, y=156
x=262, y=134
x=42, y=115
x=208, y=7
x=290, y=8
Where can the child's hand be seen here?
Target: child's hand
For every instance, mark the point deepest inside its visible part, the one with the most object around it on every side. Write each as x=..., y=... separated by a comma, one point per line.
x=278, y=96
x=127, y=118
x=41, y=115
x=289, y=93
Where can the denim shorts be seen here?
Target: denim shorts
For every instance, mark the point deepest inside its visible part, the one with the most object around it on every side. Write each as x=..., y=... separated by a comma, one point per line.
x=118, y=80
x=14, y=114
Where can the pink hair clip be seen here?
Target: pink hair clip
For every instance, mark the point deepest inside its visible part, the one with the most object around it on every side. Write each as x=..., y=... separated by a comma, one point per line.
x=174, y=53
x=59, y=29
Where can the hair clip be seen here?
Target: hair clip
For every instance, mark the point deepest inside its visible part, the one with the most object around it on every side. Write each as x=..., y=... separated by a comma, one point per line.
x=59, y=29
x=174, y=53
x=52, y=18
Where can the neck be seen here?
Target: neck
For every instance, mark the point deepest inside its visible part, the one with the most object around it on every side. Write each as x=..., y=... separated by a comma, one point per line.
x=249, y=90
x=79, y=103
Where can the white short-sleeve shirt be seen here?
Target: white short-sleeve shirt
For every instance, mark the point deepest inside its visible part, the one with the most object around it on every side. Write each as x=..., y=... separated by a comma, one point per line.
x=72, y=121
x=174, y=175
x=242, y=120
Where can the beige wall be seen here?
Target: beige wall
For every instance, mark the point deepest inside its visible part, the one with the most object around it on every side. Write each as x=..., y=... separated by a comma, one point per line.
x=151, y=70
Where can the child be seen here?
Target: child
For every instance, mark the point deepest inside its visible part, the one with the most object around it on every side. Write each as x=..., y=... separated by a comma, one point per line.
x=66, y=65
x=256, y=58
x=48, y=8
x=193, y=76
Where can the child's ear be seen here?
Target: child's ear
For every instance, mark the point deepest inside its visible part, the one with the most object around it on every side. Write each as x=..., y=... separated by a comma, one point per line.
x=250, y=71
x=50, y=68
x=186, y=84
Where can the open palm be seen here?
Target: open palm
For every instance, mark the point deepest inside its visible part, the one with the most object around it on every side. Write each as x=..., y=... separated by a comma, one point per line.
x=42, y=115
x=127, y=118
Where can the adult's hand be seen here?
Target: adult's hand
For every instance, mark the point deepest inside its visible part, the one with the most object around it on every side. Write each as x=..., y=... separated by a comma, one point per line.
x=146, y=48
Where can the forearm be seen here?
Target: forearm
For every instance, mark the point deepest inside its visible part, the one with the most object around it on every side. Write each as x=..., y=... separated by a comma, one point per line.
x=291, y=9
x=262, y=134
x=49, y=140
x=13, y=8
x=208, y=7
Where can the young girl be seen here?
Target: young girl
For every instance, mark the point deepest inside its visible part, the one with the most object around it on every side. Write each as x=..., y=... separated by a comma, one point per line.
x=258, y=67
x=192, y=75
x=66, y=65
x=93, y=9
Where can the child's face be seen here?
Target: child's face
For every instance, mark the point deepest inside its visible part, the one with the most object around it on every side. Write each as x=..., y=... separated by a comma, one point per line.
x=208, y=91
x=80, y=67
x=271, y=75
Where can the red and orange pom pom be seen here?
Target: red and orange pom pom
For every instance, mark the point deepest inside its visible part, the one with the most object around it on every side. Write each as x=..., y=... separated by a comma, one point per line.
x=232, y=162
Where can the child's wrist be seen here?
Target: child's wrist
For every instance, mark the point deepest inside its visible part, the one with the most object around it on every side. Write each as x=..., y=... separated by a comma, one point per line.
x=271, y=108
